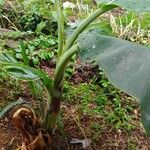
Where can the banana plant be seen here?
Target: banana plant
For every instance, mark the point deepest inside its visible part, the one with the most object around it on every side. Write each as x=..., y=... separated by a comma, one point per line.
x=126, y=64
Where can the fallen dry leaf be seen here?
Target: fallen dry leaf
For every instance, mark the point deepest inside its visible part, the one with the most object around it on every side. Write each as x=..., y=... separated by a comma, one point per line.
x=34, y=137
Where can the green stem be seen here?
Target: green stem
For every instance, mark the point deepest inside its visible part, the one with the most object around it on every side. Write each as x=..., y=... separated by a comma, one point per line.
x=60, y=68
x=46, y=115
x=54, y=100
x=85, y=23
x=59, y=71
x=60, y=22
x=52, y=111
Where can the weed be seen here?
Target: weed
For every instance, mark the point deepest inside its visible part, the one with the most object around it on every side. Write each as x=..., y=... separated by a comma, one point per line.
x=92, y=101
x=38, y=49
x=132, y=145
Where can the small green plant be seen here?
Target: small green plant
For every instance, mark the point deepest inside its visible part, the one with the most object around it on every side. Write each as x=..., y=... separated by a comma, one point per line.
x=38, y=16
x=126, y=64
x=38, y=49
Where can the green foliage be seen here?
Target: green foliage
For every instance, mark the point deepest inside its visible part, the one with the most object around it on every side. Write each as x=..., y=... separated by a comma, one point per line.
x=7, y=58
x=93, y=100
x=137, y=6
x=15, y=34
x=1, y=2
x=40, y=27
x=11, y=106
x=28, y=16
x=41, y=48
x=23, y=72
x=145, y=21
x=38, y=16
x=124, y=63
x=35, y=86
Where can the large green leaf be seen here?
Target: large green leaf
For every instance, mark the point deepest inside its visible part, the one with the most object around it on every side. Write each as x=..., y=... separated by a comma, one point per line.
x=23, y=72
x=20, y=71
x=134, y=5
x=126, y=64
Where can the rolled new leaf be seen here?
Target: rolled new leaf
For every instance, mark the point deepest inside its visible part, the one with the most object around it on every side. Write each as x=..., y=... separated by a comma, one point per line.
x=133, y=5
x=126, y=64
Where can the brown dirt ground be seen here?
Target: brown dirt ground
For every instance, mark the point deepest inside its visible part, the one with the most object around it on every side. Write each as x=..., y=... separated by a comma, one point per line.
x=107, y=139
x=77, y=125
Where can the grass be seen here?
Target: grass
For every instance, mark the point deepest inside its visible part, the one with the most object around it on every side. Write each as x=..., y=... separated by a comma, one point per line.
x=92, y=111
x=116, y=109
x=8, y=91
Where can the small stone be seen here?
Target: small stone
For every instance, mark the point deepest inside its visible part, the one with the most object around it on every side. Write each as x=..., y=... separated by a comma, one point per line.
x=6, y=120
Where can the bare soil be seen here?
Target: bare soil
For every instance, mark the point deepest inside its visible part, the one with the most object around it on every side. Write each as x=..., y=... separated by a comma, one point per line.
x=78, y=125
x=107, y=139
x=75, y=124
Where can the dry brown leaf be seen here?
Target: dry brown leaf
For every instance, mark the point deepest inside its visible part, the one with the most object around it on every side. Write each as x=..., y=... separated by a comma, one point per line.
x=34, y=137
